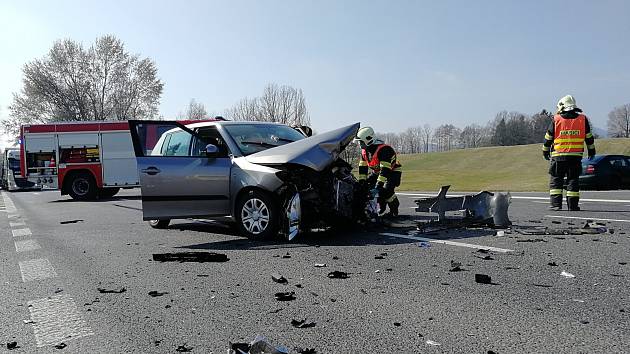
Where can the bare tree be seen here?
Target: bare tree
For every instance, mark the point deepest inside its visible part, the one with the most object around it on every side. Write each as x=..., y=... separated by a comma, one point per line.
x=619, y=122
x=426, y=134
x=472, y=136
x=283, y=104
x=73, y=83
x=196, y=110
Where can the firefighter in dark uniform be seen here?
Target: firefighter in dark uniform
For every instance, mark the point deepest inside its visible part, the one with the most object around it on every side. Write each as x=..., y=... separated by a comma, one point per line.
x=564, y=143
x=385, y=174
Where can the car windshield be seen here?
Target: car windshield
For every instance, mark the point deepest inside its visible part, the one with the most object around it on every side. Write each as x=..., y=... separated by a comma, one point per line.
x=253, y=138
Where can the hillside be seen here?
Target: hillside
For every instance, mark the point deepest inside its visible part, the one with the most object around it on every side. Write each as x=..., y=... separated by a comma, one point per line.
x=514, y=168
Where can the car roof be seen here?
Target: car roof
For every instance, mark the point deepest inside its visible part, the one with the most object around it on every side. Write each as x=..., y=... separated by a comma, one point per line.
x=223, y=123
x=598, y=158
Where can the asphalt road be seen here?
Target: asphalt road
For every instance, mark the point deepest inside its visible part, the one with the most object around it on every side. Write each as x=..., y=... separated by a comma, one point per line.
x=407, y=302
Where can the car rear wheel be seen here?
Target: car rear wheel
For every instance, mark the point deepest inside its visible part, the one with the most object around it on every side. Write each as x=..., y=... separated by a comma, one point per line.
x=83, y=187
x=159, y=224
x=256, y=215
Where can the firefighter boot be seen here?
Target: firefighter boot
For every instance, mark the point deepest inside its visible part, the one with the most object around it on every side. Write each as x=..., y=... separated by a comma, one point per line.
x=572, y=203
x=393, y=207
x=556, y=202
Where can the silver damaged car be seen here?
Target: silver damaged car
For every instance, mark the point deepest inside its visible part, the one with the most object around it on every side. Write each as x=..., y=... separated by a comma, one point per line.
x=269, y=178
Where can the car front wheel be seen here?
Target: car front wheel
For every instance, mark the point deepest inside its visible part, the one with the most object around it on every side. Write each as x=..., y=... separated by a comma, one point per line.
x=83, y=187
x=256, y=215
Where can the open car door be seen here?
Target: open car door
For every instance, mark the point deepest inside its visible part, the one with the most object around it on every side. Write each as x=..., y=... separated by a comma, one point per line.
x=180, y=180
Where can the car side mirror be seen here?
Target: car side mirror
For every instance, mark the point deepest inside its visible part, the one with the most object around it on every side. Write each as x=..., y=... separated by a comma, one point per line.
x=304, y=129
x=212, y=151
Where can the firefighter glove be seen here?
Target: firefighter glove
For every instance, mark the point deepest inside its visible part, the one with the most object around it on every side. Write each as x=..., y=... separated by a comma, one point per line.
x=546, y=155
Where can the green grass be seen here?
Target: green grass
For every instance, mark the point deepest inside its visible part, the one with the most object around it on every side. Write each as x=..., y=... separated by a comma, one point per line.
x=513, y=168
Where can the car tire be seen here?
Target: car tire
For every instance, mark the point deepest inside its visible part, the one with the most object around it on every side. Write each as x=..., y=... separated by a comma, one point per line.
x=256, y=215
x=82, y=186
x=108, y=192
x=159, y=224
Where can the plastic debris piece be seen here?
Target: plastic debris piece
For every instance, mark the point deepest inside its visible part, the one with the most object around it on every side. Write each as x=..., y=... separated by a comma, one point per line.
x=543, y=285
x=483, y=250
x=155, y=293
x=397, y=324
x=70, y=221
x=261, y=346
x=552, y=264
x=456, y=267
x=578, y=300
x=584, y=322
x=190, y=257
x=501, y=233
x=285, y=296
x=112, y=291
x=12, y=345
x=567, y=274
x=379, y=257
x=278, y=278
x=183, y=348
x=61, y=345
x=335, y=257
x=430, y=342
x=486, y=258
x=483, y=279
x=305, y=350
x=623, y=263
x=532, y=240
x=320, y=265
x=286, y=256
x=424, y=244
x=28, y=321
x=338, y=275
x=302, y=323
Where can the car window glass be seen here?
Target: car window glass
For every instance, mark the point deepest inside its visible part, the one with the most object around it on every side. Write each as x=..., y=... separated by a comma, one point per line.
x=253, y=138
x=210, y=135
x=179, y=144
x=165, y=144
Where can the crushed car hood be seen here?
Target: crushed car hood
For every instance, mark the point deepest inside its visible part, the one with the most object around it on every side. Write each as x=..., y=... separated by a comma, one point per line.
x=316, y=152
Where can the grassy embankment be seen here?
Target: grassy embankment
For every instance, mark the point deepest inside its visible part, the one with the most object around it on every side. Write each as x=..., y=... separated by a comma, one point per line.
x=511, y=168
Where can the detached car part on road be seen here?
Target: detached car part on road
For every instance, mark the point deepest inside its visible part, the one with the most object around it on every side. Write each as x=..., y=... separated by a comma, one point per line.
x=269, y=178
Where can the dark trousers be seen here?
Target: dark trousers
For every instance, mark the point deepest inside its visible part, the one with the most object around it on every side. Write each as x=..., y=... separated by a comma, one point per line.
x=559, y=169
x=387, y=197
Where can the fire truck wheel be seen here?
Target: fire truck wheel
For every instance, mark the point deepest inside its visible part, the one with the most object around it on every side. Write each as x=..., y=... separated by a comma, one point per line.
x=159, y=224
x=83, y=187
x=108, y=192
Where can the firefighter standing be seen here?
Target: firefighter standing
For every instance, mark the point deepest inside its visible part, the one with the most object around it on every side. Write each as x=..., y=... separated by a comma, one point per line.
x=564, y=142
x=386, y=173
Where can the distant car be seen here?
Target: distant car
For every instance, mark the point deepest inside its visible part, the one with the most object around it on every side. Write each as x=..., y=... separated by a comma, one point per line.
x=269, y=178
x=605, y=172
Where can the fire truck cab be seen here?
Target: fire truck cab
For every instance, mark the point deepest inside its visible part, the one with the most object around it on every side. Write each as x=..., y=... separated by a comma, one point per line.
x=84, y=160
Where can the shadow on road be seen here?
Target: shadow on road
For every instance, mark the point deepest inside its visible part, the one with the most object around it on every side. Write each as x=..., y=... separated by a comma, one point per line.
x=334, y=238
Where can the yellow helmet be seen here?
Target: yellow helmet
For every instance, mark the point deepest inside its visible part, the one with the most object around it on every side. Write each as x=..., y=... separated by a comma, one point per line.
x=566, y=103
x=365, y=135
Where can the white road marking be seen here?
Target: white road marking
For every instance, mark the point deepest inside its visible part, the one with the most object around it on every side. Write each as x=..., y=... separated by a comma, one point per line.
x=56, y=319
x=446, y=242
x=26, y=245
x=582, y=218
x=21, y=232
x=523, y=197
x=37, y=269
x=9, y=207
x=18, y=223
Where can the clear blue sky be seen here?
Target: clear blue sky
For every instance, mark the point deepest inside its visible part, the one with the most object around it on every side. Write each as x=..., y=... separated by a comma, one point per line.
x=389, y=64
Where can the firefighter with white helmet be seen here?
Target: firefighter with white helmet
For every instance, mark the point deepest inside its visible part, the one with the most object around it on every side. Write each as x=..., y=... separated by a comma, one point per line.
x=564, y=144
x=380, y=159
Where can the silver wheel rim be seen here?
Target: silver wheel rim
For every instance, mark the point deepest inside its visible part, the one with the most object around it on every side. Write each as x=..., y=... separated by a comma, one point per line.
x=80, y=186
x=255, y=216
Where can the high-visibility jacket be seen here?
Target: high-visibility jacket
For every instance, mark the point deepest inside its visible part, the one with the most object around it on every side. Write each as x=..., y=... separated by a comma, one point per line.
x=569, y=136
x=382, y=162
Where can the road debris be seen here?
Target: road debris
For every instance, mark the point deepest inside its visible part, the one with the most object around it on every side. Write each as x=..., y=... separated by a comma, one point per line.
x=28, y=321
x=483, y=250
x=483, y=279
x=552, y=264
x=302, y=323
x=61, y=345
x=320, y=265
x=567, y=274
x=430, y=342
x=12, y=345
x=258, y=346
x=542, y=285
x=190, y=257
x=532, y=240
x=485, y=258
x=70, y=221
x=183, y=348
x=305, y=350
x=424, y=244
x=111, y=291
x=286, y=256
x=456, y=267
x=338, y=275
x=285, y=296
x=155, y=293
x=279, y=278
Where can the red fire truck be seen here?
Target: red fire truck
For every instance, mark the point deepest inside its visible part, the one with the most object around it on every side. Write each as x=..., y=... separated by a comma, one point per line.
x=85, y=160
